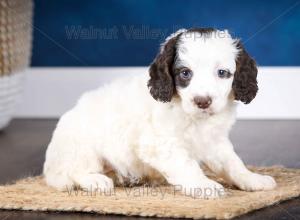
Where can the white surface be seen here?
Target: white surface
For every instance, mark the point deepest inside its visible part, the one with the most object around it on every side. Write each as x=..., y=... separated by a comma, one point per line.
x=10, y=90
x=49, y=92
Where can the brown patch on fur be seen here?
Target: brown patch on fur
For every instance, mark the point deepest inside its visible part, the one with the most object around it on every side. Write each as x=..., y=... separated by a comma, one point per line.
x=244, y=83
x=201, y=30
x=161, y=81
x=153, y=177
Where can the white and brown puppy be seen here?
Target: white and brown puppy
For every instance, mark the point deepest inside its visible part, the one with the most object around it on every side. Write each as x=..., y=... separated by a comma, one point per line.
x=167, y=123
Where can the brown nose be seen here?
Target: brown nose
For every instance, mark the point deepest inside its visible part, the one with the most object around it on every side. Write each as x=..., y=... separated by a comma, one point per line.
x=202, y=102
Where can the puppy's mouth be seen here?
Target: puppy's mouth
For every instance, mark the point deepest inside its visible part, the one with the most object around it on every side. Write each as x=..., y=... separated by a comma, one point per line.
x=207, y=112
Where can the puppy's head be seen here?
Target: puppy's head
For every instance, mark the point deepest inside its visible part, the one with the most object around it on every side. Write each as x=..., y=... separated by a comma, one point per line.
x=205, y=68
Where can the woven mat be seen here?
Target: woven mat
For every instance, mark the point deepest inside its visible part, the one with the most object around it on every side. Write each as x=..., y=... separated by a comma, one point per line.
x=33, y=194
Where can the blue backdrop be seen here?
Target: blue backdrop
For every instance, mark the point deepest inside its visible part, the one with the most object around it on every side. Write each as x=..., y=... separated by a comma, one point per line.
x=128, y=33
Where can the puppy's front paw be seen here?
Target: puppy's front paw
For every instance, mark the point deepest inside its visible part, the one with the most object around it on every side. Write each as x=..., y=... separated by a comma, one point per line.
x=256, y=182
x=205, y=189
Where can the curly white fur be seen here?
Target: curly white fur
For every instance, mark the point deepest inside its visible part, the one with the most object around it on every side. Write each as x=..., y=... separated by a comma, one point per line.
x=121, y=124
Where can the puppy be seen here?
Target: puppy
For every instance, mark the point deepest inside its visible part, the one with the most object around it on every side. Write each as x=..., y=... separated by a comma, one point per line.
x=162, y=125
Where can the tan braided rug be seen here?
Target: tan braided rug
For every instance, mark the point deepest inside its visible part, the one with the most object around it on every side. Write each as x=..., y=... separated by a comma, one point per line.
x=33, y=194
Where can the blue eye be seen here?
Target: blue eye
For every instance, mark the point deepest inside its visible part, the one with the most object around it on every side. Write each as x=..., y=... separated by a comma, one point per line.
x=186, y=74
x=224, y=74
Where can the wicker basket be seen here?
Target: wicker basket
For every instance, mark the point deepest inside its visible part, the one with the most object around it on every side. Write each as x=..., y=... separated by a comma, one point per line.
x=15, y=52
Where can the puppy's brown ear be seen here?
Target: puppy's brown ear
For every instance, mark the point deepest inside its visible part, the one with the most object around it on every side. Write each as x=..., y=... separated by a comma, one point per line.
x=161, y=83
x=244, y=83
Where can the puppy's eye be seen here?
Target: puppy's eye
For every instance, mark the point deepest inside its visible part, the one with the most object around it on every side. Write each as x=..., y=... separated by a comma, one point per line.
x=186, y=74
x=224, y=74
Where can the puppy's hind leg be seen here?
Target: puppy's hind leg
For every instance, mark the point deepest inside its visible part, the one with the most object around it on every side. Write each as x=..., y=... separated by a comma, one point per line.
x=87, y=173
x=60, y=181
x=70, y=162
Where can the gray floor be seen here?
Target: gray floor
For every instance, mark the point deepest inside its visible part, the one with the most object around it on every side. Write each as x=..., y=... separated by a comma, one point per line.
x=266, y=143
x=263, y=143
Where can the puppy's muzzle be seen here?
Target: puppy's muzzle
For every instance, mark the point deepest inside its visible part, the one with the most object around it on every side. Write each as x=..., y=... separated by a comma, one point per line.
x=202, y=102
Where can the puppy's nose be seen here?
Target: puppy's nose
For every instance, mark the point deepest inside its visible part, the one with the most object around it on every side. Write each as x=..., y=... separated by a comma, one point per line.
x=202, y=102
